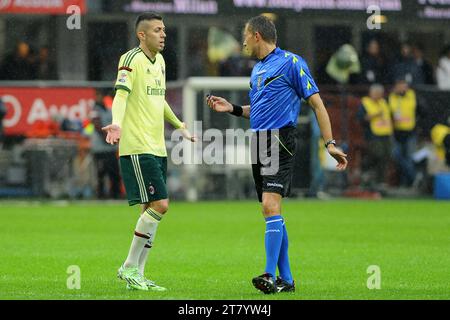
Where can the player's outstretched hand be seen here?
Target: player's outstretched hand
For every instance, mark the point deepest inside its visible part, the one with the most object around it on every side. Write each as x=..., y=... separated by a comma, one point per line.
x=340, y=157
x=218, y=104
x=113, y=132
x=186, y=134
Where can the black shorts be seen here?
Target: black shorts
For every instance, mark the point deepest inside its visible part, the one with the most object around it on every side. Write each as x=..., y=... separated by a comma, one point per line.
x=273, y=154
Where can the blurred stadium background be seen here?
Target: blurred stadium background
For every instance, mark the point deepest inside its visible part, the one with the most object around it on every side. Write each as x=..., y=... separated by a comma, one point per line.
x=51, y=69
x=55, y=74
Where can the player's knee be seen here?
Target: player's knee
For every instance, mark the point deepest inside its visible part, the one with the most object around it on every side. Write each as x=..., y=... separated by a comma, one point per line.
x=161, y=206
x=270, y=207
x=271, y=204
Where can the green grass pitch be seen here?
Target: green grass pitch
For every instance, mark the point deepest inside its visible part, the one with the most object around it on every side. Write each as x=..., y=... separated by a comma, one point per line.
x=211, y=250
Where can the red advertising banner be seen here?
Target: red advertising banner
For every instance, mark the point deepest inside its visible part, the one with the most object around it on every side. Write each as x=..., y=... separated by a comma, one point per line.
x=29, y=106
x=42, y=6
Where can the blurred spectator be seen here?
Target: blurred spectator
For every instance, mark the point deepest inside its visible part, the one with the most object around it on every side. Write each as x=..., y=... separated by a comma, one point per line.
x=45, y=68
x=375, y=116
x=405, y=67
x=197, y=57
x=344, y=66
x=104, y=153
x=83, y=178
x=316, y=188
x=443, y=70
x=18, y=65
x=73, y=125
x=425, y=70
x=43, y=128
x=236, y=65
x=440, y=135
x=403, y=103
x=373, y=64
x=2, y=115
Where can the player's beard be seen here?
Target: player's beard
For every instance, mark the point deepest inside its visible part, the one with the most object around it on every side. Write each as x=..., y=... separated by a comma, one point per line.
x=161, y=47
x=154, y=48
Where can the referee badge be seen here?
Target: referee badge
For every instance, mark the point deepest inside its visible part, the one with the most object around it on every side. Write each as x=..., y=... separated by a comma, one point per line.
x=258, y=85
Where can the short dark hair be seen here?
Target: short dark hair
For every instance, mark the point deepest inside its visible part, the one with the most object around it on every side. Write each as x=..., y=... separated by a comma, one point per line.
x=264, y=26
x=147, y=16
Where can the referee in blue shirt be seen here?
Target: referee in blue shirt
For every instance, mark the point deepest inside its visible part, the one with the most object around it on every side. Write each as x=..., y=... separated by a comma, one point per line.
x=278, y=83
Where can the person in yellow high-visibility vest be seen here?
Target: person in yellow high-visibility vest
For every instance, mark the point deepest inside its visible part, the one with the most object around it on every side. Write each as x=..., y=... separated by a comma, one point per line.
x=440, y=136
x=378, y=129
x=403, y=105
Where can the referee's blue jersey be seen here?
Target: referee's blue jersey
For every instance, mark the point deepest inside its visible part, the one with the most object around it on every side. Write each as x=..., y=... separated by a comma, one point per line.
x=277, y=85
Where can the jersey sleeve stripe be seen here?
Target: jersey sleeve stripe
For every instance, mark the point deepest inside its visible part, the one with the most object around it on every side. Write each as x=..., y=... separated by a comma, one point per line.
x=131, y=58
x=128, y=55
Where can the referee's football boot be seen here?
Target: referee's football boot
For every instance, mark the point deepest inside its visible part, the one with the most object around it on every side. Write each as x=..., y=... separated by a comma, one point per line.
x=265, y=283
x=284, y=286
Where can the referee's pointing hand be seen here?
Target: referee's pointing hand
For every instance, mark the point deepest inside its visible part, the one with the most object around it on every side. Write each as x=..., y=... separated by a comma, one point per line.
x=219, y=104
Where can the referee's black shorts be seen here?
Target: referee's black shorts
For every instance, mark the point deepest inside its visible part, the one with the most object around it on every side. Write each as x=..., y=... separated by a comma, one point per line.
x=273, y=154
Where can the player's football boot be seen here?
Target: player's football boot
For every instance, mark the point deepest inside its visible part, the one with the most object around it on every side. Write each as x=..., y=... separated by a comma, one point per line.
x=133, y=278
x=265, y=283
x=151, y=285
x=284, y=286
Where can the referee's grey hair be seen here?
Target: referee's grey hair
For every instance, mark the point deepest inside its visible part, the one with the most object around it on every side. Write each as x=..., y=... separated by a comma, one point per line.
x=264, y=26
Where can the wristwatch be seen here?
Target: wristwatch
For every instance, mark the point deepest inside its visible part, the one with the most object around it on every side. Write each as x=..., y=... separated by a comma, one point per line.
x=332, y=141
